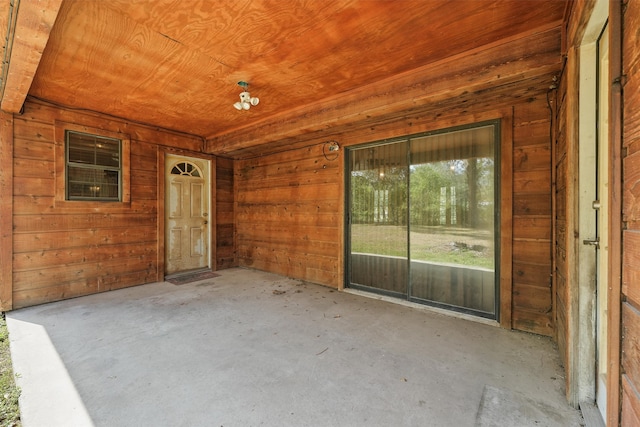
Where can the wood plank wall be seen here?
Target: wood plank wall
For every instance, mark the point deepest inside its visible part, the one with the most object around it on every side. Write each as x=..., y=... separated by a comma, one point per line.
x=562, y=221
x=285, y=213
x=532, y=293
x=288, y=205
x=62, y=250
x=6, y=211
x=288, y=214
x=225, y=228
x=630, y=364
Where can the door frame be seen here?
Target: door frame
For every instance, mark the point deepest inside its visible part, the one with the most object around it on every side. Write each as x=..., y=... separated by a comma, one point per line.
x=583, y=327
x=160, y=206
x=602, y=222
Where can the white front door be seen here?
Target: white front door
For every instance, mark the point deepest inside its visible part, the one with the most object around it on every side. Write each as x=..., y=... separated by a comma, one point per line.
x=186, y=214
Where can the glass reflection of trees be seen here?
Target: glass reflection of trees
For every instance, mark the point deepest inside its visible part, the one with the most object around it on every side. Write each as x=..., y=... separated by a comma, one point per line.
x=451, y=211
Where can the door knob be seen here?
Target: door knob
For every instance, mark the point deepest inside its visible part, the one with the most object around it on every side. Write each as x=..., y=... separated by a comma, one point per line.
x=206, y=222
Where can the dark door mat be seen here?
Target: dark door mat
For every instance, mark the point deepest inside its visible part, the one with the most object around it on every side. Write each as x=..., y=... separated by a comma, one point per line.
x=196, y=276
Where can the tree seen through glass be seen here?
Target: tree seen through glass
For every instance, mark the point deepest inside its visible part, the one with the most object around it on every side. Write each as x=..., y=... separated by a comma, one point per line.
x=449, y=205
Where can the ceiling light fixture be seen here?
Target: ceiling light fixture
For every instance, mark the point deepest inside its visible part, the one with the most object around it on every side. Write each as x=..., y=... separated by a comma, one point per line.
x=246, y=101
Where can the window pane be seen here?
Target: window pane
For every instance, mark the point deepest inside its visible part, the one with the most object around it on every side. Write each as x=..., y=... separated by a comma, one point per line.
x=379, y=217
x=85, y=183
x=93, y=167
x=451, y=202
x=108, y=153
x=93, y=150
x=452, y=218
x=185, y=168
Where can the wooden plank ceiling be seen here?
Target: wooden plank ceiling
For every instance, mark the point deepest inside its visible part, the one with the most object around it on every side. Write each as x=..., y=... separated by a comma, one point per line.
x=175, y=64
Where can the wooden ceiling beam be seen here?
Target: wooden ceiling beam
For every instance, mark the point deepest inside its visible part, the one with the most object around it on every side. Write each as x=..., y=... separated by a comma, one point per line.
x=420, y=119
x=26, y=43
x=499, y=65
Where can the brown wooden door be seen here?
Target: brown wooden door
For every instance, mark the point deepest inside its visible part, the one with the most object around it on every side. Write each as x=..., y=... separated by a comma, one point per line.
x=186, y=213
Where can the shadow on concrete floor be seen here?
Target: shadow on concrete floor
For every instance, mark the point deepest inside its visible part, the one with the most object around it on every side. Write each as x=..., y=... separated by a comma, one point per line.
x=250, y=348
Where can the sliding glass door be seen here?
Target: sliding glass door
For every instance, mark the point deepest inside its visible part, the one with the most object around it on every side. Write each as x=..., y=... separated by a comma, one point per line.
x=422, y=218
x=452, y=219
x=379, y=200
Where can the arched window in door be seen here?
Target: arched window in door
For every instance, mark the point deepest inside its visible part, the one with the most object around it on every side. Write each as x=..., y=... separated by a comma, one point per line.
x=186, y=169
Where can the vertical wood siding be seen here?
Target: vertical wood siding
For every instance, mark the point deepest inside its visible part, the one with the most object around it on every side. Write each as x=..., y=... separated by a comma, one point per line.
x=630, y=364
x=62, y=250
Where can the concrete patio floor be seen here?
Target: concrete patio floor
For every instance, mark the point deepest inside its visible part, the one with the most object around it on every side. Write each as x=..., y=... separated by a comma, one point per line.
x=250, y=348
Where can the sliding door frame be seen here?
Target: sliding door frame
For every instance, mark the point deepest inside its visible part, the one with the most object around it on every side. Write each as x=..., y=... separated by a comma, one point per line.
x=503, y=169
